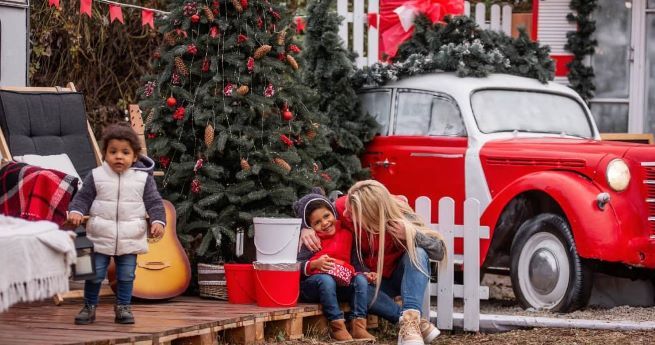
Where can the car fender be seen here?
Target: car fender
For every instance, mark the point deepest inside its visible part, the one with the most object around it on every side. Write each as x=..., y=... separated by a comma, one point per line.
x=594, y=230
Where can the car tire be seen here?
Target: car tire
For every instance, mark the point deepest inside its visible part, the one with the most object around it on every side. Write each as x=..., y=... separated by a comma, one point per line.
x=546, y=271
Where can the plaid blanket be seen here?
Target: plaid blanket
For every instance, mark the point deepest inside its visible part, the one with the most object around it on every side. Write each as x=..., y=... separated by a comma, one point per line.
x=35, y=193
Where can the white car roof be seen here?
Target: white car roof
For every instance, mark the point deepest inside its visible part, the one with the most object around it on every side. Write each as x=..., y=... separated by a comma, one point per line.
x=450, y=83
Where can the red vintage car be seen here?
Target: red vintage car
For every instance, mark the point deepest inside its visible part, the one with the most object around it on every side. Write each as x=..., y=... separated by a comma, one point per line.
x=559, y=202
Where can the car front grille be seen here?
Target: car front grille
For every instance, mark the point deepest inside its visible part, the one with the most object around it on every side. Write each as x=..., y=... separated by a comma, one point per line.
x=649, y=182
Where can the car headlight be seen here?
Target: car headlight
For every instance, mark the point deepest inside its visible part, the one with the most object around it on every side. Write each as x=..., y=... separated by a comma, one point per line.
x=618, y=175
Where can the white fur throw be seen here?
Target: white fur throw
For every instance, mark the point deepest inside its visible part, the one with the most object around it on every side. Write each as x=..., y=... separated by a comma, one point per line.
x=36, y=259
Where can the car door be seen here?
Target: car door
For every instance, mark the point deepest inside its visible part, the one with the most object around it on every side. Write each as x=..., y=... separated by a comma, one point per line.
x=421, y=147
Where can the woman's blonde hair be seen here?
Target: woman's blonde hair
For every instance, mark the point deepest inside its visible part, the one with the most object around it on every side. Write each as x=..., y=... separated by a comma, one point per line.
x=372, y=208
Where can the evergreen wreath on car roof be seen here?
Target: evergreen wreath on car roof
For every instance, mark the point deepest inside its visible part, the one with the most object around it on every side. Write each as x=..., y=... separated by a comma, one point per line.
x=460, y=45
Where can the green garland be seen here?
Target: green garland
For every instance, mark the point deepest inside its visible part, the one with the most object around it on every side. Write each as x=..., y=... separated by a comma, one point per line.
x=459, y=45
x=581, y=44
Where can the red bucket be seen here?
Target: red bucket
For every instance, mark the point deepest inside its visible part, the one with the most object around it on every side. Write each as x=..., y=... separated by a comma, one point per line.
x=277, y=285
x=240, y=283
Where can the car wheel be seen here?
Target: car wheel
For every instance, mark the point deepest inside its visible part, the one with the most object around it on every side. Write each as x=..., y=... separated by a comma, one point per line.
x=546, y=271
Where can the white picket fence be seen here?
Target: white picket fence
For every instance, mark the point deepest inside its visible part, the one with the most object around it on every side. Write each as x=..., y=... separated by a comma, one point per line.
x=445, y=289
x=355, y=25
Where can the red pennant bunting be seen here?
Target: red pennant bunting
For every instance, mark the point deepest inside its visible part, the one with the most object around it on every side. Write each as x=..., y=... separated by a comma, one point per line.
x=54, y=3
x=85, y=7
x=147, y=18
x=115, y=13
x=372, y=18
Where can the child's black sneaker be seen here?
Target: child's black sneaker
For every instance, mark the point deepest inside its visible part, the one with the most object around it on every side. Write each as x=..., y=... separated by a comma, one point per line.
x=123, y=314
x=86, y=316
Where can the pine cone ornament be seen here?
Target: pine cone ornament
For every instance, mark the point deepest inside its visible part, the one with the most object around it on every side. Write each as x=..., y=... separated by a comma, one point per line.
x=243, y=90
x=180, y=66
x=170, y=38
x=237, y=5
x=209, y=135
x=245, y=165
x=281, y=37
x=292, y=62
x=282, y=164
x=262, y=51
x=208, y=13
x=311, y=134
x=150, y=117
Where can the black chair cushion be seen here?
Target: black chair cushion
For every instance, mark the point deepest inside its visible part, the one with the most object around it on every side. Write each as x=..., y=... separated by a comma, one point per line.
x=47, y=124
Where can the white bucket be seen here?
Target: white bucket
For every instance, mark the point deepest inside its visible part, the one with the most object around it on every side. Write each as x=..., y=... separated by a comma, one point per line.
x=276, y=239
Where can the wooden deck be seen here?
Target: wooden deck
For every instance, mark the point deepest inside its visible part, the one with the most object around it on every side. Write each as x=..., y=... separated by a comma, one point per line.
x=184, y=320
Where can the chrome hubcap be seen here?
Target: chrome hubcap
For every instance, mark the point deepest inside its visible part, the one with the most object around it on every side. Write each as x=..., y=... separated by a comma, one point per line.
x=543, y=271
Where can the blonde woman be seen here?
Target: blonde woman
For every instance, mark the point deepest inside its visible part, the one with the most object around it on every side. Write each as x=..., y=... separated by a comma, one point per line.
x=375, y=216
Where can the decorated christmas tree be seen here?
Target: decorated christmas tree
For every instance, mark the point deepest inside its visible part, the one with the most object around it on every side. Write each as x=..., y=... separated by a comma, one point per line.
x=229, y=120
x=329, y=69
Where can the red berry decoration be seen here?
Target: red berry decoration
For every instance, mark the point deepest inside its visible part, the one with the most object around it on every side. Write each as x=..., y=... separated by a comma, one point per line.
x=286, y=140
x=179, y=114
x=195, y=19
x=206, y=63
x=156, y=55
x=251, y=64
x=242, y=38
x=192, y=49
x=164, y=161
x=213, y=32
x=195, y=186
x=171, y=101
x=294, y=49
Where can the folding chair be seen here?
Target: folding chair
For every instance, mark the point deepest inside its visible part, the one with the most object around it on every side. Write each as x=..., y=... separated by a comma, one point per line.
x=47, y=121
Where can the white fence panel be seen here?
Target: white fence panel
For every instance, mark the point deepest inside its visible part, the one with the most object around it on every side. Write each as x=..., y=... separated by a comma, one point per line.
x=445, y=289
x=355, y=29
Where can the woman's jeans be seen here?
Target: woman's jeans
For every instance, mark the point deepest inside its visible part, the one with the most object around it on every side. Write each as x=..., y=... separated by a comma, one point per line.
x=406, y=281
x=125, y=267
x=323, y=288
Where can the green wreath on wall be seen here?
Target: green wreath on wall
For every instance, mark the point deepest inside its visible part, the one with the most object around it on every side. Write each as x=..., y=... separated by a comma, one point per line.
x=581, y=44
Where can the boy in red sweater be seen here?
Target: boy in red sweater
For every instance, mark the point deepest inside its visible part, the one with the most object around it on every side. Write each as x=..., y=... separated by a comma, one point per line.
x=327, y=275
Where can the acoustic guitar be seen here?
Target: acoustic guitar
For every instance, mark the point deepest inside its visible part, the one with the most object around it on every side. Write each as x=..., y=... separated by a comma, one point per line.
x=164, y=271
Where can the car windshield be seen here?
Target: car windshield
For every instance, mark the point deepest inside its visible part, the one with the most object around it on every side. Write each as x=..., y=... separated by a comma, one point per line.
x=529, y=111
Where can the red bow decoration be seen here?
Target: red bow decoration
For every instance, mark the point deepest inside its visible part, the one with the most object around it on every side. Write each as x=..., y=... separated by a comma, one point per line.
x=397, y=19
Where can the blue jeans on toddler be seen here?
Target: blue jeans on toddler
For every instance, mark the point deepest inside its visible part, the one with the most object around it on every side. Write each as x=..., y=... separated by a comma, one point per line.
x=406, y=281
x=323, y=288
x=125, y=267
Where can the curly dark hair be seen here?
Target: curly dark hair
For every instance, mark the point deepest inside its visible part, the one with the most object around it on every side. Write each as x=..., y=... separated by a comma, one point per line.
x=120, y=131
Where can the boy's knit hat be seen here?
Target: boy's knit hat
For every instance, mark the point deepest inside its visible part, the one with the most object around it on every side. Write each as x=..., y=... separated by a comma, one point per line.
x=316, y=195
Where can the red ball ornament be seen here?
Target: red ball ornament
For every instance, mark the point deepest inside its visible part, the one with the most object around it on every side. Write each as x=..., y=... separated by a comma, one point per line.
x=156, y=55
x=195, y=19
x=171, y=101
x=287, y=115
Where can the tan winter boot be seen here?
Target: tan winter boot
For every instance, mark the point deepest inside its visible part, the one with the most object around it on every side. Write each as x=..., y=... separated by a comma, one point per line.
x=359, y=331
x=410, y=331
x=428, y=331
x=338, y=330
